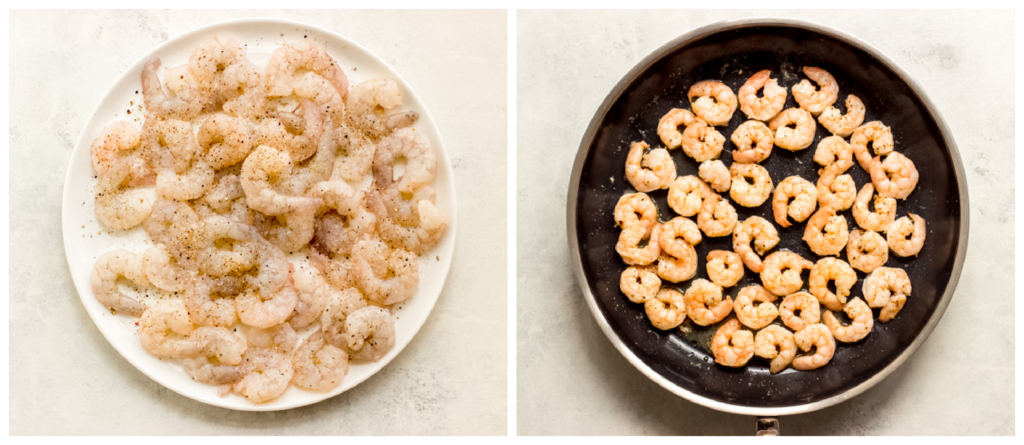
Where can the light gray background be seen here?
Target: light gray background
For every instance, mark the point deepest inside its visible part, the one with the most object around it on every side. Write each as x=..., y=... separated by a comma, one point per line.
x=64, y=376
x=570, y=380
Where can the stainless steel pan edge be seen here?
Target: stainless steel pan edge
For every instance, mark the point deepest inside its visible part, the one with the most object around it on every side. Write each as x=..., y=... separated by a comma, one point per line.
x=573, y=239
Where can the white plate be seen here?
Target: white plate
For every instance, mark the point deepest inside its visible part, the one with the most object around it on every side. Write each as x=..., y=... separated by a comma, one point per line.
x=85, y=239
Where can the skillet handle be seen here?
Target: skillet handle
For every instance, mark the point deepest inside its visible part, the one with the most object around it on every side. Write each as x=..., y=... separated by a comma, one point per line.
x=768, y=426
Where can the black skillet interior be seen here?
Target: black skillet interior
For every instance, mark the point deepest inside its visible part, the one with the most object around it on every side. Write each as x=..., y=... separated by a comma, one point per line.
x=684, y=358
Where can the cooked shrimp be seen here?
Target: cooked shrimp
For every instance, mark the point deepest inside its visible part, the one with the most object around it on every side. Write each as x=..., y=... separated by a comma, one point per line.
x=717, y=217
x=702, y=142
x=799, y=311
x=781, y=272
x=725, y=268
x=834, y=150
x=875, y=133
x=881, y=217
x=242, y=90
x=826, y=232
x=666, y=310
x=421, y=164
x=204, y=310
x=761, y=108
x=716, y=174
x=836, y=271
x=887, y=288
x=185, y=105
x=704, y=303
x=866, y=251
x=224, y=140
x=630, y=250
x=269, y=372
x=339, y=307
x=289, y=61
x=895, y=177
x=859, y=327
x=355, y=153
x=668, y=126
x=686, y=195
x=756, y=317
x=120, y=140
x=816, y=336
x=638, y=208
x=165, y=271
x=754, y=142
x=835, y=191
x=794, y=129
x=118, y=207
x=262, y=169
x=165, y=330
x=912, y=226
x=369, y=333
x=840, y=124
x=640, y=284
x=712, y=101
x=318, y=365
x=764, y=236
x=678, y=269
x=111, y=266
x=677, y=234
x=732, y=345
x=648, y=172
x=396, y=285
x=297, y=134
x=804, y=198
x=775, y=343
x=812, y=99
x=751, y=184
x=263, y=311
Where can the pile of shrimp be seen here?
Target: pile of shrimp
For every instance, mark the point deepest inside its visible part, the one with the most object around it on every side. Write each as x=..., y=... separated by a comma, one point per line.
x=251, y=164
x=802, y=329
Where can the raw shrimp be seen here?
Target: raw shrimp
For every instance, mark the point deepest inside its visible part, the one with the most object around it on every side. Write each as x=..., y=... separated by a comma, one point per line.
x=686, y=195
x=169, y=144
x=224, y=193
x=677, y=234
x=816, y=336
x=203, y=370
x=882, y=216
x=313, y=170
x=263, y=311
x=111, y=266
x=859, y=327
x=812, y=99
x=318, y=365
x=224, y=140
x=766, y=107
x=416, y=239
x=794, y=129
x=204, y=310
x=840, y=124
x=753, y=141
x=297, y=134
x=835, y=191
x=717, y=217
x=875, y=133
x=176, y=225
x=165, y=330
x=799, y=311
x=834, y=150
x=289, y=61
x=751, y=184
x=712, y=101
x=668, y=126
x=313, y=295
x=764, y=236
x=355, y=153
x=220, y=343
x=666, y=310
x=165, y=271
x=804, y=196
x=118, y=207
x=370, y=100
x=898, y=232
x=702, y=142
x=648, y=172
x=678, y=269
x=716, y=174
x=262, y=169
x=314, y=88
x=338, y=231
x=834, y=270
x=397, y=284
x=190, y=184
x=775, y=343
x=628, y=246
x=826, y=232
x=210, y=58
x=339, y=306
x=185, y=105
x=291, y=231
x=638, y=208
x=705, y=304
x=781, y=273
x=369, y=333
x=756, y=317
x=281, y=337
x=895, y=177
x=725, y=268
x=242, y=90
x=640, y=284
x=273, y=271
x=421, y=164
x=866, y=251
x=227, y=247
x=887, y=288
x=268, y=373
x=120, y=140
x=732, y=345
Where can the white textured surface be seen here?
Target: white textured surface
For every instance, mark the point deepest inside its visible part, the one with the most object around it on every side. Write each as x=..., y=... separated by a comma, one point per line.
x=65, y=377
x=570, y=378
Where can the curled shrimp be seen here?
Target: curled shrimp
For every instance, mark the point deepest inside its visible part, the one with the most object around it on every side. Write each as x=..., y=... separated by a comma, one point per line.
x=686, y=195
x=835, y=191
x=887, y=288
x=716, y=174
x=208, y=61
x=316, y=89
x=753, y=141
x=290, y=61
x=289, y=232
x=816, y=100
x=882, y=216
x=204, y=309
x=169, y=144
x=804, y=198
x=368, y=103
x=794, y=129
x=339, y=307
x=678, y=234
x=751, y=184
x=756, y=317
x=666, y=310
x=224, y=140
x=319, y=365
x=165, y=330
x=668, y=126
x=298, y=134
x=775, y=343
x=766, y=107
x=630, y=250
x=281, y=337
x=165, y=271
x=912, y=226
x=637, y=208
x=836, y=271
x=781, y=272
x=421, y=163
x=826, y=232
x=269, y=372
x=702, y=142
x=111, y=266
x=725, y=268
x=264, y=311
x=732, y=345
x=185, y=104
x=712, y=101
x=120, y=140
x=759, y=231
x=225, y=348
x=416, y=239
x=705, y=304
x=242, y=90
x=678, y=269
x=313, y=295
x=648, y=172
x=816, y=336
x=866, y=251
x=859, y=327
x=895, y=177
x=262, y=169
x=834, y=150
x=799, y=310
x=355, y=153
x=224, y=193
x=717, y=217
x=640, y=284
x=118, y=207
x=189, y=184
x=875, y=133
x=369, y=333
x=345, y=220
x=840, y=124
x=396, y=285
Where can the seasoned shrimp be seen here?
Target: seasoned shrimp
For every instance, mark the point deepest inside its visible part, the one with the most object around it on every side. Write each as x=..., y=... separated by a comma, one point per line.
x=705, y=304
x=794, y=129
x=165, y=271
x=314, y=88
x=313, y=295
x=210, y=58
x=754, y=142
x=118, y=207
x=875, y=133
x=290, y=61
x=313, y=170
x=120, y=140
x=355, y=153
x=816, y=336
x=216, y=372
x=756, y=317
x=666, y=310
x=716, y=174
x=881, y=217
x=775, y=343
x=835, y=191
x=242, y=90
x=702, y=142
x=339, y=307
x=800, y=310
x=176, y=225
x=227, y=247
x=269, y=372
x=369, y=333
x=224, y=140
x=111, y=266
x=836, y=271
x=648, y=172
x=204, y=310
x=751, y=184
x=712, y=101
x=416, y=239
x=781, y=272
x=859, y=327
x=261, y=171
x=638, y=208
x=834, y=150
x=677, y=234
x=732, y=345
x=887, y=288
x=165, y=330
x=840, y=124
x=804, y=198
x=263, y=311
x=686, y=195
x=640, y=284
x=169, y=144
x=224, y=193
x=826, y=232
x=370, y=100
x=421, y=164
x=912, y=226
x=762, y=233
x=678, y=269
x=668, y=126
x=189, y=184
x=866, y=251
x=812, y=99
x=342, y=225
x=289, y=232
x=895, y=177
x=766, y=107
x=725, y=268
x=319, y=365
x=717, y=217
x=281, y=337
x=185, y=105
x=398, y=283
x=297, y=134
x=630, y=250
